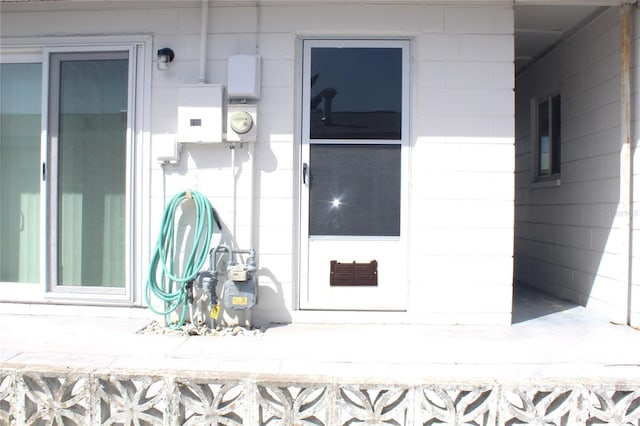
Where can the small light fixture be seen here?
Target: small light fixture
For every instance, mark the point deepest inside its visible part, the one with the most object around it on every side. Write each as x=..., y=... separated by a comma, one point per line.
x=165, y=57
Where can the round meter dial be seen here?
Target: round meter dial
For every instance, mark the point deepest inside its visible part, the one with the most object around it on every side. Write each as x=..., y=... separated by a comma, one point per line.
x=241, y=122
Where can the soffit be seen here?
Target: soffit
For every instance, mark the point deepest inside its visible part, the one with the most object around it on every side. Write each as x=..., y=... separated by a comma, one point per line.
x=538, y=28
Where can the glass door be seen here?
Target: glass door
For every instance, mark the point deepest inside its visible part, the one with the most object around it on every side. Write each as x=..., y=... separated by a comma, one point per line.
x=69, y=118
x=87, y=176
x=354, y=157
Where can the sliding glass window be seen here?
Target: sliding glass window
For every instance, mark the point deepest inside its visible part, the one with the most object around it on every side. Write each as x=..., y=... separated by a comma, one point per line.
x=20, y=125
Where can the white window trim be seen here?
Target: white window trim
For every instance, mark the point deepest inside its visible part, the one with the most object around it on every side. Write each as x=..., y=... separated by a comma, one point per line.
x=37, y=50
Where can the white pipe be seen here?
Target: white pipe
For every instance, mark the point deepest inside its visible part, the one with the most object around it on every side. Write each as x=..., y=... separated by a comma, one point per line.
x=254, y=218
x=234, y=234
x=204, y=26
x=626, y=174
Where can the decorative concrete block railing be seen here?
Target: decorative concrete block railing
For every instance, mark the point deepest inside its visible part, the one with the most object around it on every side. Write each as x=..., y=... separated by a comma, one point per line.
x=29, y=397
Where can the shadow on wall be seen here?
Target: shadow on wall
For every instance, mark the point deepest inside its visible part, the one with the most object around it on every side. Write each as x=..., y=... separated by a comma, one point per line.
x=272, y=307
x=530, y=303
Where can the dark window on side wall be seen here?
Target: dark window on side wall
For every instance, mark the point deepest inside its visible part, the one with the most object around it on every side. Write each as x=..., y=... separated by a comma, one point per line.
x=548, y=157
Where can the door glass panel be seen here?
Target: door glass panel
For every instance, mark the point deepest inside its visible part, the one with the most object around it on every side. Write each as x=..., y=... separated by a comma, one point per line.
x=20, y=123
x=92, y=171
x=356, y=93
x=354, y=190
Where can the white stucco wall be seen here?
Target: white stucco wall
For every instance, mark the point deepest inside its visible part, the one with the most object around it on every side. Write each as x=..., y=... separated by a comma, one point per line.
x=462, y=144
x=568, y=236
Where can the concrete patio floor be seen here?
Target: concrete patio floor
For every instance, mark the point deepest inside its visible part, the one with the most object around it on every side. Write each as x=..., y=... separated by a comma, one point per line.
x=550, y=341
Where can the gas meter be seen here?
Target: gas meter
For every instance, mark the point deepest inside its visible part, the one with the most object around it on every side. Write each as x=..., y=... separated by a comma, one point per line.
x=240, y=291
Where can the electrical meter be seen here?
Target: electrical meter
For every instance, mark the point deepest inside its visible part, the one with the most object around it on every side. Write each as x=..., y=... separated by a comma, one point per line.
x=241, y=122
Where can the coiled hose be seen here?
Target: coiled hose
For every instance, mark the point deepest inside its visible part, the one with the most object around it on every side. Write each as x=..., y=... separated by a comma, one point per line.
x=163, y=281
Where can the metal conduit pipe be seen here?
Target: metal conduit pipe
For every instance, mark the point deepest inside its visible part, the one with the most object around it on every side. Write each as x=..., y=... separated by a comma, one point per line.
x=204, y=28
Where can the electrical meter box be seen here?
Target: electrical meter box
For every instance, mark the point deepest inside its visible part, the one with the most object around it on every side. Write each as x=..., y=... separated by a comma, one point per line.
x=243, y=77
x=200, y=113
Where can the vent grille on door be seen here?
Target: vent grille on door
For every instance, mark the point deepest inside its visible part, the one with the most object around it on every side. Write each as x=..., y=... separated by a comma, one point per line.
x=354, y=274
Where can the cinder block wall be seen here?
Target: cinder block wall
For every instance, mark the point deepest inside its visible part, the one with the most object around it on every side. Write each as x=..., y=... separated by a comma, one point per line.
x=462, y=167
x=462, y=143
x=568, y=235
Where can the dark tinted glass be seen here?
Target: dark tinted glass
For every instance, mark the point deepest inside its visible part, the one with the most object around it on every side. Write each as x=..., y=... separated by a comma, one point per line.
x=354, y=190
x=556, y=136
x=544, y=139
x=356, y=93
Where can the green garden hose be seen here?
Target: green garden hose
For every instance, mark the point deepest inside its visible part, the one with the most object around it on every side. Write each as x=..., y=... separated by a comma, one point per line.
x=163, y=281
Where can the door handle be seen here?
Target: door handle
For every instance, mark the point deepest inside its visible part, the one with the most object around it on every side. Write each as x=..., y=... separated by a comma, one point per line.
x=305, y=173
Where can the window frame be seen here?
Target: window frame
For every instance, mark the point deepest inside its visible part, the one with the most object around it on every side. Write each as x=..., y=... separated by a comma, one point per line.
x=555, y=137
x=39, y=50
x=52, y=169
